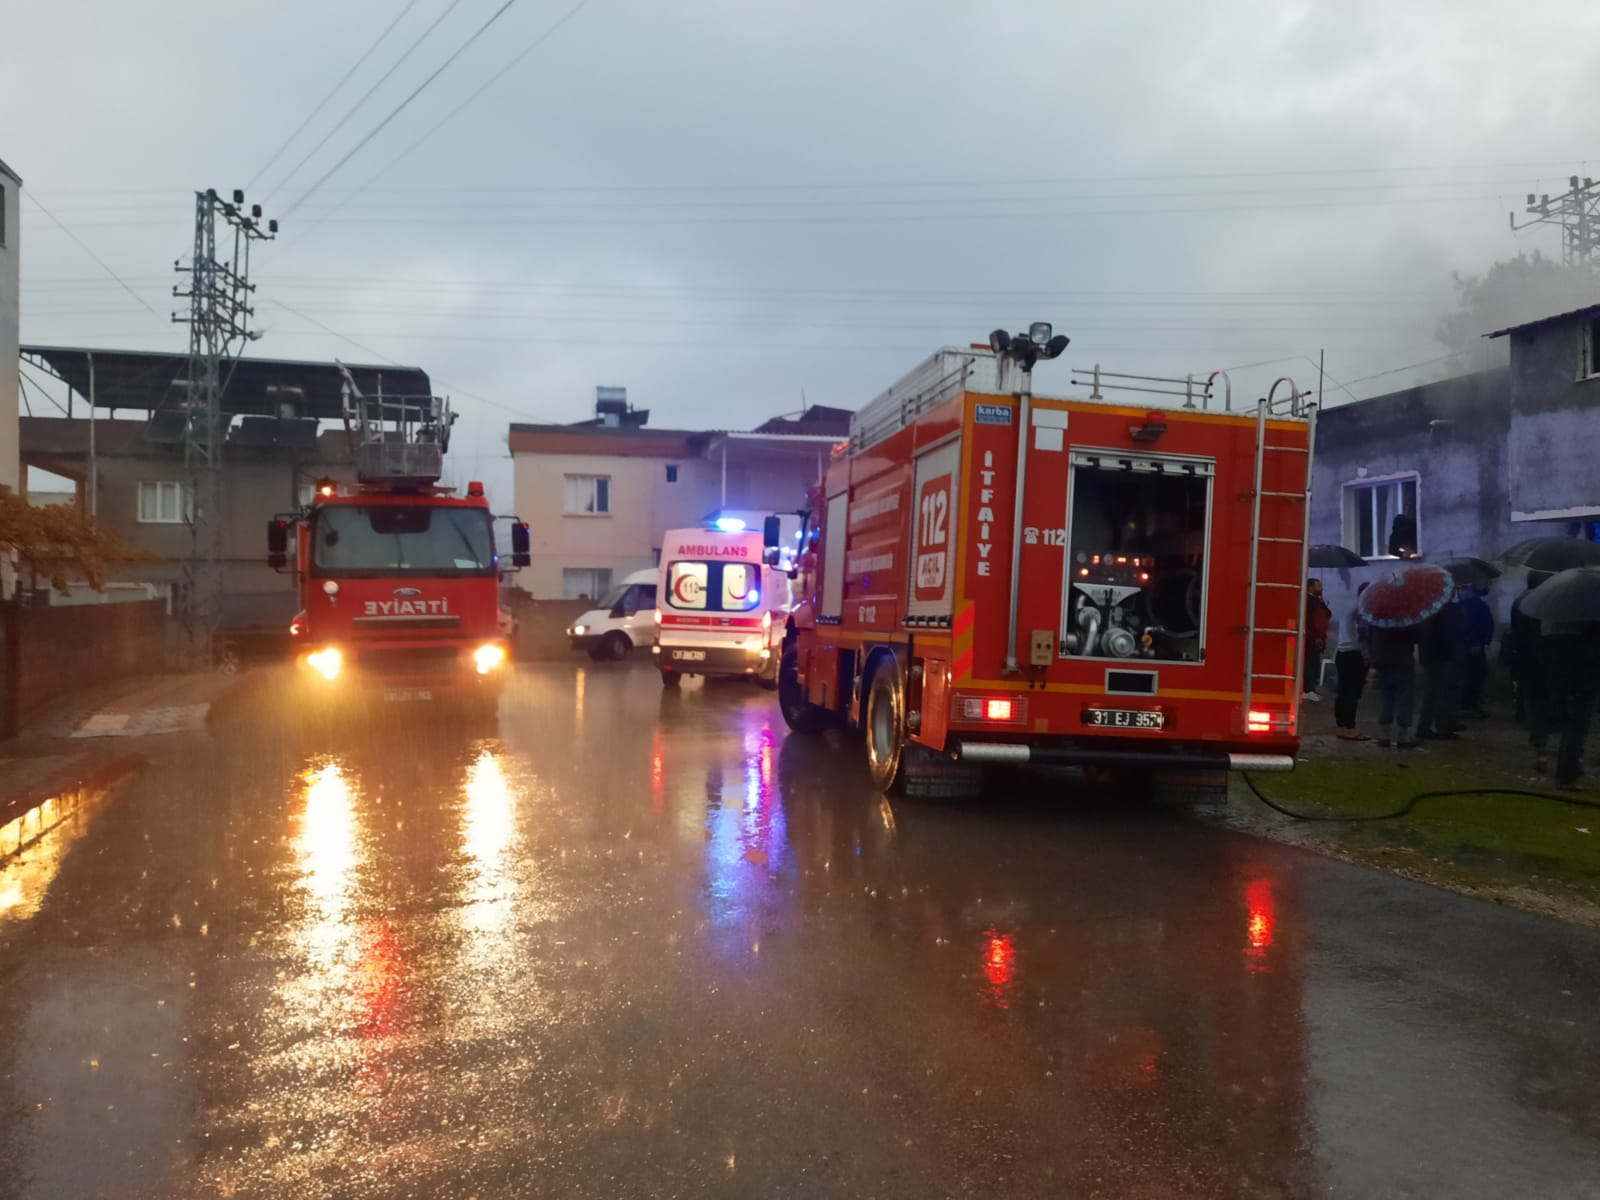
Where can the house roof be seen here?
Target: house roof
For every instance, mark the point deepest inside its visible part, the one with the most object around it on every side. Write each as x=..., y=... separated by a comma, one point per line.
x=820, y=419
x=147, y=380
x=1587, y=310
x=628, y=441
x=5, y=170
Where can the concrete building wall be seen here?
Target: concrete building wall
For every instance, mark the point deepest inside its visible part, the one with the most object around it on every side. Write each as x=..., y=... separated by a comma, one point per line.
x=255, y=485
x=1454, y=437
x=1555, y=430
x=644, y=505
x=10, y=310
x=63, y=649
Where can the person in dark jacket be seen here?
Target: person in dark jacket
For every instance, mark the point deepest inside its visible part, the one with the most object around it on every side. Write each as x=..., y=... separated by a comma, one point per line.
x=1318, y=618
x=1350, y=664
x=1566, y=663
x=1442, y=650
x=1479, y=619
x=1393, y=654
x=1517, y=651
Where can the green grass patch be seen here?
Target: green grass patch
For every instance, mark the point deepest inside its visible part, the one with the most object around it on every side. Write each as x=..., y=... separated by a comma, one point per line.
x=1508, y=838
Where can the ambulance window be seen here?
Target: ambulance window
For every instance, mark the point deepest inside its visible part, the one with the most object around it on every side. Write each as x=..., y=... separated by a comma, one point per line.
x=741, y=587
x=717, y=586
x=686, y=584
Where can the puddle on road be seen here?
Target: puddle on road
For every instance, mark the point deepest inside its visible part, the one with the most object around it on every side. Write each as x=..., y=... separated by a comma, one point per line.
x=33, y=847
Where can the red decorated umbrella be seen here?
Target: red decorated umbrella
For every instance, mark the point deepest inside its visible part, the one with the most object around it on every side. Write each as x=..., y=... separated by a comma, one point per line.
x=1406, y=596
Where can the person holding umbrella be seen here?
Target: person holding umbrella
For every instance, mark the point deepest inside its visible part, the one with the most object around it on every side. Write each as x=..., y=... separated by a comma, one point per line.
x=1396, y=606
x=1566, y=663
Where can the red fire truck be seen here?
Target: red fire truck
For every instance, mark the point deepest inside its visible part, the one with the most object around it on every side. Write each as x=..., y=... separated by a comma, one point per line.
x=399, y=577
x=1138, y=614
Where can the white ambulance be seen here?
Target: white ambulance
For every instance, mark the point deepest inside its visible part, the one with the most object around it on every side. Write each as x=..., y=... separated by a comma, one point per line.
x=719, y=611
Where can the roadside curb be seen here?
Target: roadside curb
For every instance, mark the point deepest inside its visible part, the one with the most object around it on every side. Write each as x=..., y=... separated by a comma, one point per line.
x=96, y=771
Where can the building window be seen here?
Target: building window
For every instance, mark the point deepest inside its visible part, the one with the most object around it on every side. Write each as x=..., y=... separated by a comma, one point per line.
x=162, y=502
x=672, y=472
x=585, y=583
x=1589, y=351
x=1381, y=519
x=588, y=495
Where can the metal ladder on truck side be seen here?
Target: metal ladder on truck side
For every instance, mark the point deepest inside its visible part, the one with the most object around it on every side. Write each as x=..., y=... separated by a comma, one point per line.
x=1295, y=407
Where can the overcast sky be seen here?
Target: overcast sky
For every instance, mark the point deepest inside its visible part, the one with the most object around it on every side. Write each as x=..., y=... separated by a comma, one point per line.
x=724, y=206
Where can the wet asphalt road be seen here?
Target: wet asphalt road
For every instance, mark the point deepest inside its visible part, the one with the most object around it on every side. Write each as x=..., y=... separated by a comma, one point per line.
x=644, y=944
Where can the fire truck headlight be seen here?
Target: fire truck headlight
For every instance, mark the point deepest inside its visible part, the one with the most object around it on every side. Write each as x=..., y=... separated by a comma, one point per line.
x=327, y=662
x=489, y=657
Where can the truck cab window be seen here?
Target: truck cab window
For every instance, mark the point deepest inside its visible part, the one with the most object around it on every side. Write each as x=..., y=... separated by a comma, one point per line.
x=382, y=539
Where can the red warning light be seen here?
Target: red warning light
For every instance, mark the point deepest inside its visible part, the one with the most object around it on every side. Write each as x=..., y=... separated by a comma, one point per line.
x=1258, y=722
x=998, y=710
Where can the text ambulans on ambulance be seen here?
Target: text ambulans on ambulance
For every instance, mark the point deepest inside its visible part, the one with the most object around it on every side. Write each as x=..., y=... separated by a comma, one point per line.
x=719, y=610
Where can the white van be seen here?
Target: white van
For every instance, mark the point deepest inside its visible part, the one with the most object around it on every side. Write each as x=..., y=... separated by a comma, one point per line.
x=720, y=611
x=626, y=619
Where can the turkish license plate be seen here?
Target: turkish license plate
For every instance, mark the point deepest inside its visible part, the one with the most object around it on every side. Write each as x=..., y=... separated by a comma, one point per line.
x=406, y=694
x=1124, y=718
x=689, y=655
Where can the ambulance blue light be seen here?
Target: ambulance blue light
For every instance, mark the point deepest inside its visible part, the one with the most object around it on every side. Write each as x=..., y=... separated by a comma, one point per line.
x=729, y=524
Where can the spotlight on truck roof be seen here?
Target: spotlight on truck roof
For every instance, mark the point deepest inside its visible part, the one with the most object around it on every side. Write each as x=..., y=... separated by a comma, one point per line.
x=999, y=340
x=1039, y=333
x=1055, y=346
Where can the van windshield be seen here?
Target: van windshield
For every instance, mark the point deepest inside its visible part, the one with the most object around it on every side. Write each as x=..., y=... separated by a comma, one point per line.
x=389, y=539
x=713, y=586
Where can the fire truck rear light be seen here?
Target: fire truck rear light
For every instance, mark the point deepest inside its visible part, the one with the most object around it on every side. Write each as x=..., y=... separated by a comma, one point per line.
x=999, y=709
x=1268, y=722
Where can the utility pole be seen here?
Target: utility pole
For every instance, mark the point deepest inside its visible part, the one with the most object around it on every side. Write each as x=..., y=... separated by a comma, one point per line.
x=1577, y=212
x=219, y=293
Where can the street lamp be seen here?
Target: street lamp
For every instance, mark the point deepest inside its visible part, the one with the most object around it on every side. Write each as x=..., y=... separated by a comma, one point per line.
x=1041, y=342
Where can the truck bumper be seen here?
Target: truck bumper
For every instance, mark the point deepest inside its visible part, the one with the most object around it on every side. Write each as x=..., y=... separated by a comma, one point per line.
x=1021, y=754
x=712, y=660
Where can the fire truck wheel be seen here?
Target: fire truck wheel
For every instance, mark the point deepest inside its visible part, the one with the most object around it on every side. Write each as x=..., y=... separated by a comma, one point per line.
x=886, y=729
x=798, y=713
x=615, y=647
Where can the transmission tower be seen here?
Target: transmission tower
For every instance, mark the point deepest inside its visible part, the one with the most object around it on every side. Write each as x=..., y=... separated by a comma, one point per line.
x=1578, y=214
x=218, y=292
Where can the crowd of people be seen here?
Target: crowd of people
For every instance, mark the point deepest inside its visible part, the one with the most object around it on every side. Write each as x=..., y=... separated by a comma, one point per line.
x=1554, y=670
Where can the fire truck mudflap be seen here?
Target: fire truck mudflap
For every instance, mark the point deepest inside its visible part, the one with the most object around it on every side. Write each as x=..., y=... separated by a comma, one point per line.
x=990, y=577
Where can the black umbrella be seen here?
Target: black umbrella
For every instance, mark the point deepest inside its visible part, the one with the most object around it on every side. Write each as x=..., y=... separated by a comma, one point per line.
x=1471, y=572
x=1328, y=557
x=1572, y=595
x=1552, y=554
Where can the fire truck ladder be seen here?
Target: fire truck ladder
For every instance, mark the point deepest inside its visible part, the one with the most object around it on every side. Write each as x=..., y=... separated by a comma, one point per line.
x=1296, y=407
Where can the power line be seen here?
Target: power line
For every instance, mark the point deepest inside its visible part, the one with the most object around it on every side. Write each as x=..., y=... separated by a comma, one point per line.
x=323, y=103
x=365, y=96
x=401, y=107
x=902, y=183
x=84, y=247
x=549, y=32
x=365, y=349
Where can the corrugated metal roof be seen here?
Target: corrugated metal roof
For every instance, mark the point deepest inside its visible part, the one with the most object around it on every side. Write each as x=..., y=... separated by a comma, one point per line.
x=1586, y=310
x=145, y=379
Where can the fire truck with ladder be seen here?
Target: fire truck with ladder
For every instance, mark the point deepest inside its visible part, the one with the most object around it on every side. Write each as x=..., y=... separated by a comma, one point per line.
x=399, y=577
x=987, y=576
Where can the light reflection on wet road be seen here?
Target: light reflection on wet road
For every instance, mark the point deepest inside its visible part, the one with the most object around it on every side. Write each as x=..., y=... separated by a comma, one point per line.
x=642, y=943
